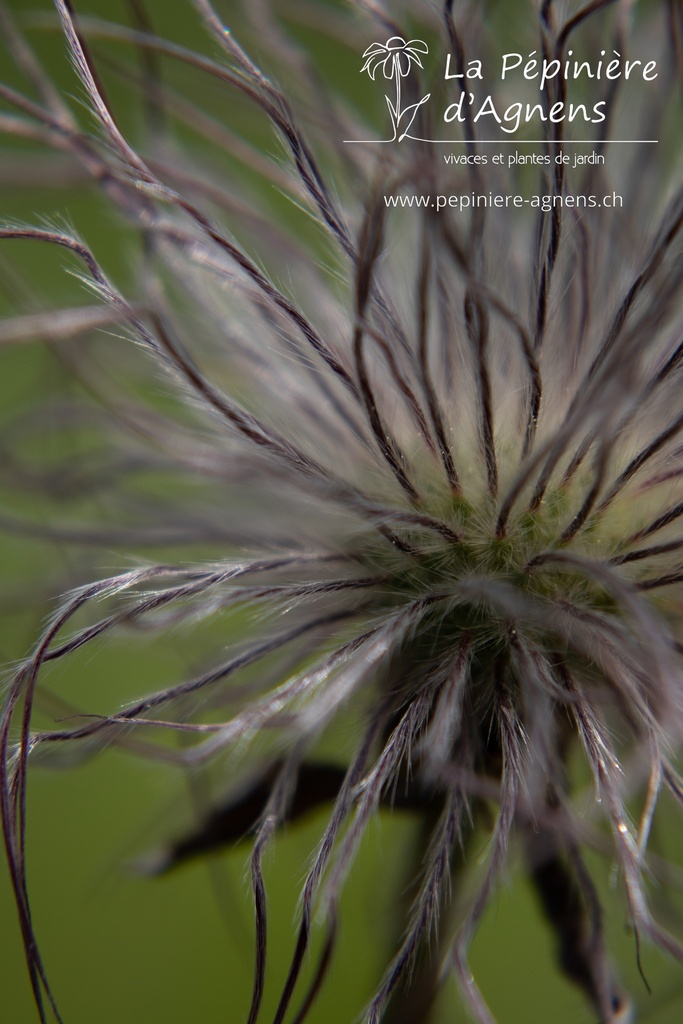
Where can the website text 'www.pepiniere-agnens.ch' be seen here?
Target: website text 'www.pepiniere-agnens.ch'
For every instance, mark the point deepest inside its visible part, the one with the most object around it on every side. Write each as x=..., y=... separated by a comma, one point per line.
x=489, y=200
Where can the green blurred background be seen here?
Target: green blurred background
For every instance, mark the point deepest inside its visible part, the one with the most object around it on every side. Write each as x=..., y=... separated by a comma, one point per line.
x=179, y=949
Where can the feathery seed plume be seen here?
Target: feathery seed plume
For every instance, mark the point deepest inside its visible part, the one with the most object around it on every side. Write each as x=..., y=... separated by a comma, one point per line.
x=434, y=450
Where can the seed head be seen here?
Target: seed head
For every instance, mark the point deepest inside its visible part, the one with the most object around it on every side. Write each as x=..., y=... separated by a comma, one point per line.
x=435, y=452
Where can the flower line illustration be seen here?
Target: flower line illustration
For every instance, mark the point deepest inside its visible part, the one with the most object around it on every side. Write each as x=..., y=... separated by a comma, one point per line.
x=395, y=58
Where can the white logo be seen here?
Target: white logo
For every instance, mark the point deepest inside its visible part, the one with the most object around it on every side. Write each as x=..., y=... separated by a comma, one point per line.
x=395, y=58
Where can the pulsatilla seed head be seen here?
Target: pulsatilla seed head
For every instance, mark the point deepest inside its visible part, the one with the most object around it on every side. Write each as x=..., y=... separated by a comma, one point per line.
x=435, y=451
